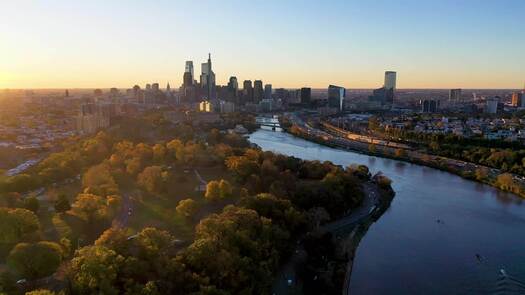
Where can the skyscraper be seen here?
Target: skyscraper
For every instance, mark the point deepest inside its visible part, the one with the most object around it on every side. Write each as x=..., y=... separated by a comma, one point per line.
x=306, y=95
x=258, y=91
x=247, y=91
x=336, y=96
x=454, y=94
x=390, y=87
x=390, y=80
x=268, y=91
x=187, y=80
x=208, y=78
x=518, y=99
x=189, y=69
x=233, y=87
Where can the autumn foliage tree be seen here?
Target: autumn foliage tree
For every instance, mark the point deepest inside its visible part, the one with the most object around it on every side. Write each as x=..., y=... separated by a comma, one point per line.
x=153, y=179
x=33, y=261
x=187, y=207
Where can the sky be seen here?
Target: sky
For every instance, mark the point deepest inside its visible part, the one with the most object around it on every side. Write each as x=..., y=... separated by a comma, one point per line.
x=287, y=43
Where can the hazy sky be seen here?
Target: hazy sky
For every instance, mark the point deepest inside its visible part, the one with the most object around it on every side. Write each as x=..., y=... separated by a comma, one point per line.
x=105, y=43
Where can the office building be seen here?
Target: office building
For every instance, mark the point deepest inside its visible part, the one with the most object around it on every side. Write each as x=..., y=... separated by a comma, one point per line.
x=491, y=105
x=208, y=79
x=336, y=96
x=429, y=105
x=189, y=69
x=258, y=91
x=247, y=91
x=268, y=91
x=306, y=95
x=390, y=87
x=518, y=99
x=226, y=106
x=390, y=80
x=93, y=117
x=454, y=95
x=233, y=89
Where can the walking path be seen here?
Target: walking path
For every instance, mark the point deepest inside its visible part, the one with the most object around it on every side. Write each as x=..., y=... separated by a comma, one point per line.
x=286, y=280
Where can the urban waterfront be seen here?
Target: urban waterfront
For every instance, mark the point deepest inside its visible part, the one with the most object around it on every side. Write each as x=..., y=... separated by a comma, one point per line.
x=442, y=234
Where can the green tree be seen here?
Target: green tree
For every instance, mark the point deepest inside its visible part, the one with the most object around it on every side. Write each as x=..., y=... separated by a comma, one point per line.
x=90, y=208
x=16, y=224
x=31, y=203
x=95, y=270
x=62, y=204
x=33, y=261
x=187, y=207
x=99, y=181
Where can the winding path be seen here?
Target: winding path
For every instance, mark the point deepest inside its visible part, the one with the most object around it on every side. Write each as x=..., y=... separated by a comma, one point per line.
x=286, y=280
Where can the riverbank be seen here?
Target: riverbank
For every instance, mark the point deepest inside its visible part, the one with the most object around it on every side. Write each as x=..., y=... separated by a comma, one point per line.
x=325, y=255
x=490, y=176
x=430, y=234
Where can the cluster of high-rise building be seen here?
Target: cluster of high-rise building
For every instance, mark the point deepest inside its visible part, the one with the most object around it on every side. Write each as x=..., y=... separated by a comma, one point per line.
x=252, y=95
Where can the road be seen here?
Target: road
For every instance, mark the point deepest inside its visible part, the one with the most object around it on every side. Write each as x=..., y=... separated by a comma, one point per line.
x=122, y=218
x=288, y=270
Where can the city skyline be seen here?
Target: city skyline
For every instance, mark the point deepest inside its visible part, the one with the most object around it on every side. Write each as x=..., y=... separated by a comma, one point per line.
x=470, y=45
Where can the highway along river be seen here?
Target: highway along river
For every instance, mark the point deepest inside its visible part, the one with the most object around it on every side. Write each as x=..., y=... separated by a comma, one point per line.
x=442, y=234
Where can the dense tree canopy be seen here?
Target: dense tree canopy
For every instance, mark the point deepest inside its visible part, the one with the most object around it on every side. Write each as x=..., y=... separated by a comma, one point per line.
x=33, y=261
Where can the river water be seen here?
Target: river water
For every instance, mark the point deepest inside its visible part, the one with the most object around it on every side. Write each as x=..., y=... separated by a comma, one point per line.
x=408, y=251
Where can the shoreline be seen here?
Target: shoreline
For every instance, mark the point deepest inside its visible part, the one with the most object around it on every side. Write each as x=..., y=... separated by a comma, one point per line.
x=389, y=153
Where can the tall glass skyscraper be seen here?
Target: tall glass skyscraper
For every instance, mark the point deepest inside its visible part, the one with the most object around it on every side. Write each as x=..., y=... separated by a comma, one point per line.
x=390, y=80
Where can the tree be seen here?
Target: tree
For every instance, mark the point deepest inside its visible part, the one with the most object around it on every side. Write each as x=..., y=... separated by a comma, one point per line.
x=400, y=153
x=115, y=238
x=90, y=208
x=317, y=216
x=237, y=251
x=213, y=191
x=62, y=204
x=95, y=270
x=153, y=179
x=505, y=181
x=242, y=166
x=152, y=242
x=372, y=148
x=31, y=203
x=10, y=200
x=482, y=173
x=15, y=224
x=133, y=166
x=173, y=149
x=99, y=181
x=159, y=153
x=226, y=190
x=187, y=207
x=33, y=261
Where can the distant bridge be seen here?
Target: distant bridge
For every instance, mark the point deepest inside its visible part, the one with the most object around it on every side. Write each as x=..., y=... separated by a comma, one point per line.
x=272, y=122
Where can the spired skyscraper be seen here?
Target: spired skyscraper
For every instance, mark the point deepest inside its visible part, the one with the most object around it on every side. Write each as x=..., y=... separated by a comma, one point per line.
x=208, y=79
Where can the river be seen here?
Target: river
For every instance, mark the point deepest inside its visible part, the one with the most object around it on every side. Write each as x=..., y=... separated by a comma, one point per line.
x=408, y=251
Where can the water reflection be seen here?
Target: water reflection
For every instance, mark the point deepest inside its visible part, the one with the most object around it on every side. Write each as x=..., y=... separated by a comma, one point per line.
x=408, y=245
